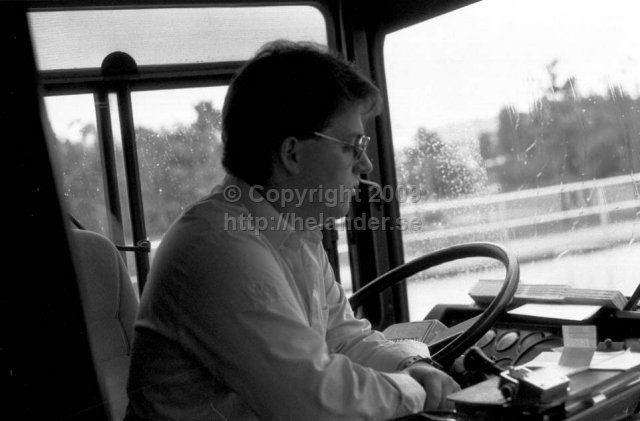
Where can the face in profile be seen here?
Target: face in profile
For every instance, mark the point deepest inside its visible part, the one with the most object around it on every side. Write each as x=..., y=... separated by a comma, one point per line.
x=332, y=165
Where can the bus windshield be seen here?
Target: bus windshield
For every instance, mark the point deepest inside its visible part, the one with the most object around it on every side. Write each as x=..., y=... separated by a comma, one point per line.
x=519, y=123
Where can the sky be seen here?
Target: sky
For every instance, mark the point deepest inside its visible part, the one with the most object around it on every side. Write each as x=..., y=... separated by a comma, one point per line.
x=468, y=64
x=455, y=68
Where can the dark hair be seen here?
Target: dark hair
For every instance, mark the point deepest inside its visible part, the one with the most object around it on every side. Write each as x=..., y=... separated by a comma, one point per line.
x=286, y=89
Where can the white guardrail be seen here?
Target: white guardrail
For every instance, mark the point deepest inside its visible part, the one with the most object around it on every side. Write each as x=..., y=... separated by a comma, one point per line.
x=586, y=205
x=534, y=224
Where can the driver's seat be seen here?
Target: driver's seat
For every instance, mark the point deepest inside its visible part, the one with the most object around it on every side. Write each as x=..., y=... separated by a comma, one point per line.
x=110, y=305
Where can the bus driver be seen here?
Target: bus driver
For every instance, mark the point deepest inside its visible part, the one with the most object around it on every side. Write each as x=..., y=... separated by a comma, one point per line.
x=246, y=321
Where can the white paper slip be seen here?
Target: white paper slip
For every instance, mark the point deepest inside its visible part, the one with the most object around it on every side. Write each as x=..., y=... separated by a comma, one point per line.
x=551, y=358
x=623, y=361
x=579, y=346
x=579, y=336
x=575, y=312
x=600, y=357
x=544, y=359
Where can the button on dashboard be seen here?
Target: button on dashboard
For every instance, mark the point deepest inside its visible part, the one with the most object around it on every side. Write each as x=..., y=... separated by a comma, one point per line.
x=487, y=338
x=506, y=341
x=529, y=340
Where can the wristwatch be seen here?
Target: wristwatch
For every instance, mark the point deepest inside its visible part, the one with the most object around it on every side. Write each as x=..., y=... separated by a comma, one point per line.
x=421, y=359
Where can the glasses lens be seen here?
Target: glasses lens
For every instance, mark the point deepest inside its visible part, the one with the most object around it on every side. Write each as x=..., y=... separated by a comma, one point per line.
x=360, y=146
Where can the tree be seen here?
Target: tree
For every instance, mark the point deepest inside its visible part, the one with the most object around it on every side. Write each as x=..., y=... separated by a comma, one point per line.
x=177, y=166
x=82, y=185
x=439, y=169
x=568, y=138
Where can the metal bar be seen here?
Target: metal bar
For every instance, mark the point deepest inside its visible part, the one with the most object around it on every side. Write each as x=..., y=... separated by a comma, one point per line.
x=633, y=180
x=136, y=207
x=503, y=225
x=153, y=85
x=370, y=252
x=142, y=247
x=394, y=238
x=54, y=5
x=110, y=172
x=154, y=75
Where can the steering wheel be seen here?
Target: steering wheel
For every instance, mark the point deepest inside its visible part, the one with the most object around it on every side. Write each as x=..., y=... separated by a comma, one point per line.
x=465, y=337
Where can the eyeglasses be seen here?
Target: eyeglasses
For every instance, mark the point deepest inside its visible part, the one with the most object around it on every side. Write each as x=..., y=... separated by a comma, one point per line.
x=359, y=147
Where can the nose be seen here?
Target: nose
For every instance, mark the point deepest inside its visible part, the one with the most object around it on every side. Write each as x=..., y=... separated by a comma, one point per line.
x=363, y=165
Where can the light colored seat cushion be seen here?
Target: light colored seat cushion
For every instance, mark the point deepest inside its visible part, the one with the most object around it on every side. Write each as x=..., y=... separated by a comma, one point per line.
x=110, y=305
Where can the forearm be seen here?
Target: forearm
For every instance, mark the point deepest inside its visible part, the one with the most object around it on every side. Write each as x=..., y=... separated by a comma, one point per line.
x=354, y=337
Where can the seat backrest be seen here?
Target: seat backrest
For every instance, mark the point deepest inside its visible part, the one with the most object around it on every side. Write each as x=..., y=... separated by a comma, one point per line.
x=110, y=305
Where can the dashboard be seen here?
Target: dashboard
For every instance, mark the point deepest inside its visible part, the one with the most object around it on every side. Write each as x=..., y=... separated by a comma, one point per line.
x=516, y=340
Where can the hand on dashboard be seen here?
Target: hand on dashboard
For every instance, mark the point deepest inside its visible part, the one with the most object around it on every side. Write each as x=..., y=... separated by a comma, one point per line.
x=436, y=383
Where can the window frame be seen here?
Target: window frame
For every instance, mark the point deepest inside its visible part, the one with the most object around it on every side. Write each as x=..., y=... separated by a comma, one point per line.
x=368, y=24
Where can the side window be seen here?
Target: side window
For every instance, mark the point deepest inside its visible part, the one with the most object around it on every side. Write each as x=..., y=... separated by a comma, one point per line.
x=73, y=122
x=179, y=155
x=179, y=151
x=519, y=123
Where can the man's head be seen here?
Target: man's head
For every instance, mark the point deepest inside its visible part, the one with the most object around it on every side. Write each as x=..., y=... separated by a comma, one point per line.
x=288, y=90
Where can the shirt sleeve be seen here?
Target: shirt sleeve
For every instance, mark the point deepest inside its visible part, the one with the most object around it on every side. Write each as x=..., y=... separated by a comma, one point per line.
x=355, y=338
x=242, y=321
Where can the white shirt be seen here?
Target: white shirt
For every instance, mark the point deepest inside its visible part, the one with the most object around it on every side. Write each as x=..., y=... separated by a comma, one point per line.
x=240, y=323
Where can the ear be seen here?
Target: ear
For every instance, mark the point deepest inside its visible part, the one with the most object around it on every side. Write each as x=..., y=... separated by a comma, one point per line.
x=290, y=155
